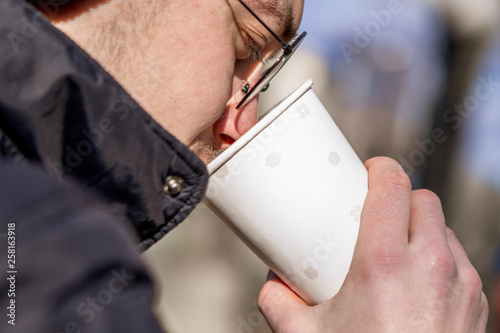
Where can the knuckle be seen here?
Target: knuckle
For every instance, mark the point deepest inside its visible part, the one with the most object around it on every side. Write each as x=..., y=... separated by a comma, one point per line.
x=484, y=306
x=428, y=205
x=427, y=197
x=472, y=279
x=450, y=234
x=396, y=178
x=474, y=297
x=383, y=160
x=441, y=264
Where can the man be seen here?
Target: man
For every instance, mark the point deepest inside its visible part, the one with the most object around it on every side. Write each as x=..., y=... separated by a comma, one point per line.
x=187, y=62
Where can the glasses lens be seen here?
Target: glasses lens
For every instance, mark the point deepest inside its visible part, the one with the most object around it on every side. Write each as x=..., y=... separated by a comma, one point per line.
x=269, y=73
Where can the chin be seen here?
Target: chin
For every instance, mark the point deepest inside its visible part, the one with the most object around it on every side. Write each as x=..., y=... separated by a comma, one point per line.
x=207, y=150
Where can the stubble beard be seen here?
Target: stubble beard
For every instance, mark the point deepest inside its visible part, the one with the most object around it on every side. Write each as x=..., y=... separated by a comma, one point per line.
x=205, y=149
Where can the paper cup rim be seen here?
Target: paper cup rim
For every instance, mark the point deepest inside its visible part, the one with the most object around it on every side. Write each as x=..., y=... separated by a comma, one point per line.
x=225, y=156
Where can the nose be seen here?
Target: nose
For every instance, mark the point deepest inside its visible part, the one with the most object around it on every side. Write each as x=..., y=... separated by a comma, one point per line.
x=235, y=122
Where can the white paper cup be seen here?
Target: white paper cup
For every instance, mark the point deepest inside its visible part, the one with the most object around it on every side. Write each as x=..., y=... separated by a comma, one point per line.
x=292, y=189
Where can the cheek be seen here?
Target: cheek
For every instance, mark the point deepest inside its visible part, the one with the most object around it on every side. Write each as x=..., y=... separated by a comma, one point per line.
x=215, y=91
x=189, y=101
x=208, y=89
x=213, y=85
x=198, y=75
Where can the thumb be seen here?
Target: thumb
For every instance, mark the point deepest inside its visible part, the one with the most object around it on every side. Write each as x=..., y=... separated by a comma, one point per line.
x=283, y=309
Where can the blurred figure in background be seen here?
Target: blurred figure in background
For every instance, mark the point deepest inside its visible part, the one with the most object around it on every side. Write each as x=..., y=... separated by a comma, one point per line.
x=474, y=189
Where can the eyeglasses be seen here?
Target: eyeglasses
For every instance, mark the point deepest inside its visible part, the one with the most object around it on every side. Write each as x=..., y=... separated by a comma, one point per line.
x=282, y=57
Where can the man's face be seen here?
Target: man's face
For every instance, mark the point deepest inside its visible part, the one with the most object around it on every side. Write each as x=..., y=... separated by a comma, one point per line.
x=185, y=61
x=205, y=50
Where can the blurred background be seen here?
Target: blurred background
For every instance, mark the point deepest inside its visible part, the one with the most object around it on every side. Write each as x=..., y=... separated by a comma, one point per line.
x=418, y=81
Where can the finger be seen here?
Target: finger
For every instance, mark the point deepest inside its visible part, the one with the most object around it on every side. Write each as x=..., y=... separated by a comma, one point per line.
x=476, y=301
x=483, y=315
x=466, y=270
x=386, y=211
x=427, y=222
x=279, y=304
x=457, y=249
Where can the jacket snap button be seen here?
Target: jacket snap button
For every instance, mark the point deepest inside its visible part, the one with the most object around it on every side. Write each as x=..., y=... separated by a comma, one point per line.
x=173, y=185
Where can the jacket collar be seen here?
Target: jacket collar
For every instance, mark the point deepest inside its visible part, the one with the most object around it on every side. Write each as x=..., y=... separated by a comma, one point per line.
x=59, y=108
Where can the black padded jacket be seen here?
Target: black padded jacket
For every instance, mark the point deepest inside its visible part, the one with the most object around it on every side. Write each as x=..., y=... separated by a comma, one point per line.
x=83, y=187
